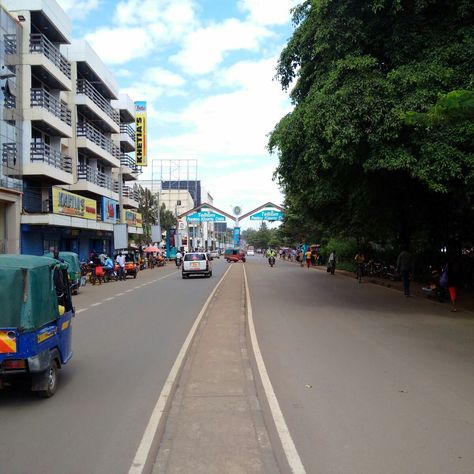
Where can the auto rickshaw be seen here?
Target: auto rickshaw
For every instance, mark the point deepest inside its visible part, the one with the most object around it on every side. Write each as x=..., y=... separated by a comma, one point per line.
x=35, y=321
x=131, y=264
x=74, y=269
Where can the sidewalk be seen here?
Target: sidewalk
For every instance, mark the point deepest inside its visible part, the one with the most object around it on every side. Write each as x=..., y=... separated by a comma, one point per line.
x=215, y=423
x=465, y=298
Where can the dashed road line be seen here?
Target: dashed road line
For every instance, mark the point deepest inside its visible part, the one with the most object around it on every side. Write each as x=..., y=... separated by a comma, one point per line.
x=81, y=310
x=96, y=304
x=109, y=299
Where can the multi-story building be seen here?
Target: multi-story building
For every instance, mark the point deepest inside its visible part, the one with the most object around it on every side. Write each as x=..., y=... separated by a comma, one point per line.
x=72, y=140
x=10, y=136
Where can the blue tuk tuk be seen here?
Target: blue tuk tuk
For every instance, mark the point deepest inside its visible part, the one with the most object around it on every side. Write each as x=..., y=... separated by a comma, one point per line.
x=35, y=321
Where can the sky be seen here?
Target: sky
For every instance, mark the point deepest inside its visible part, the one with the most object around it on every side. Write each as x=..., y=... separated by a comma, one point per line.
x=207, y=71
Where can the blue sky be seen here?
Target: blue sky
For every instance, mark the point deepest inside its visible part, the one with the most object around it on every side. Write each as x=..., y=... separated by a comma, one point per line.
x=206, y=69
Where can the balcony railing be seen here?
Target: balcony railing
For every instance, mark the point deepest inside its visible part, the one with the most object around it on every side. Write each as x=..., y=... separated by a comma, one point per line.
x=9, y=154
x=126, y=160
x=42, y=152
x=42, y=98
x=86, y=88
x=87, y=173
x=86, y=130
x=9, y=101
x=130, y=193
x=40, y=44
x=10, y=44
x=126, y=128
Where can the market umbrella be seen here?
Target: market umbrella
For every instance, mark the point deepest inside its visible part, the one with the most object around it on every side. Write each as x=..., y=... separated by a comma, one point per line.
x=151, y=249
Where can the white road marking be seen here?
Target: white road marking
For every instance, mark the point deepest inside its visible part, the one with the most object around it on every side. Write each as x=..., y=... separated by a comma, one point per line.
x=81, y=310
x=289, y=447
x=119, y=294
x=96, y=304
x=108, y=299
x=144, y=451
x=128, y=291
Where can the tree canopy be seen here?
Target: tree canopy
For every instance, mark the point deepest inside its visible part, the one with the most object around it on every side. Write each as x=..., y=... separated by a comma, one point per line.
x=380, y=143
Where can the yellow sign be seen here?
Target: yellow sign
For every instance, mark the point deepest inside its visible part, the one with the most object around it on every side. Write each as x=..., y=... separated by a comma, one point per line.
x=132, y=218
x=69, y=204
x=140, y=133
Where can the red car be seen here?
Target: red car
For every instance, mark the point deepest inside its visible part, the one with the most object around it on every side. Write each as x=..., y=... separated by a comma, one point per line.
x=234, y=255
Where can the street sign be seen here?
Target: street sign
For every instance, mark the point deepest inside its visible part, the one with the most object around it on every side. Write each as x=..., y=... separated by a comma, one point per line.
x=205, y=216
x=236, y=236
x=269, y=215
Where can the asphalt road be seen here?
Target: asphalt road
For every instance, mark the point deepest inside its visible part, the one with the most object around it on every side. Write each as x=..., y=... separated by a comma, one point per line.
x=369, y=381
x=125, y=339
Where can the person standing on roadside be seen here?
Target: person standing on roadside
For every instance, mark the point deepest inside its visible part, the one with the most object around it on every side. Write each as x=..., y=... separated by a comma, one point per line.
x=332, y=262
x=405, y=267
x=308, y=257
x=121, y=266
x=453, y=269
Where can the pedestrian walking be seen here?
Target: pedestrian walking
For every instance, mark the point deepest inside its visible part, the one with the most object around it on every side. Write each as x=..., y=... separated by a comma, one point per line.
x=308, y=258
x=453, y=273
x=332, y=262
x=405, y=267
x=121, y=266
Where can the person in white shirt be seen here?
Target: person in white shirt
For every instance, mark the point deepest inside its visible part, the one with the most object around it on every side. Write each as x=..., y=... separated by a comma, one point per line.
x=179, y=257
x=121, y=264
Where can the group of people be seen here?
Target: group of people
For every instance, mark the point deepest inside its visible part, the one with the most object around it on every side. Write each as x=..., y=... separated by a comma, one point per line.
x=106, y=263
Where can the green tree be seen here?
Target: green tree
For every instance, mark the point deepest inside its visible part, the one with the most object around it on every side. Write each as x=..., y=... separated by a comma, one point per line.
x=380, y=143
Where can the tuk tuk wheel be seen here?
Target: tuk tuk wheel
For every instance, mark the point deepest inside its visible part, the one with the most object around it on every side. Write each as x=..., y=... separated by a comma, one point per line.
x=52, y=376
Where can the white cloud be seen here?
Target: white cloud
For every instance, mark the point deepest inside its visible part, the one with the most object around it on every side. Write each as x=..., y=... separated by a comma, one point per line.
x=78, y=9
x=262, y=13
x=163, y=77
x=120, y=45
x=234, y=123
x=205, y=48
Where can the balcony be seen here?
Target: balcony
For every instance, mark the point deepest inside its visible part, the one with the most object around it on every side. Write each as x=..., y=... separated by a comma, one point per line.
x=128, y=130
x=42, y=98
x=130, y=197
x=94, y=140
x=94, y=181
x=41, y=152
x=99, y=104
x=45, y=161
x=127, y=138
x=40, y=44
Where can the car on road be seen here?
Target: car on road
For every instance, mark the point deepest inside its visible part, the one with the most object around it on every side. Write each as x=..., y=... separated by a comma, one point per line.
x=234, y=255
x=214, y=254
x=196, y=263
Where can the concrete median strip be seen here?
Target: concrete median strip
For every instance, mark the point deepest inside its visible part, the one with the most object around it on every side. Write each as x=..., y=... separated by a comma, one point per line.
x=287, y=444
x=146, y=453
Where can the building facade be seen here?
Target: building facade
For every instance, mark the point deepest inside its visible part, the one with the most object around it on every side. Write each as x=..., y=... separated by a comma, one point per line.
x=73, y=138
x=10, y=137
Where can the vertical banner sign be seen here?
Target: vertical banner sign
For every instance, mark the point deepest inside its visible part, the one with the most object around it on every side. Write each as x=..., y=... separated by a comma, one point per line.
x=140, y=133
x=236, y=236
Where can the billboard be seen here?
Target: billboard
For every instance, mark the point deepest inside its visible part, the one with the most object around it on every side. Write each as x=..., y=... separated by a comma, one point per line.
x=132, y=218
x=109, y=210
x=140, y=133
x=73, y=205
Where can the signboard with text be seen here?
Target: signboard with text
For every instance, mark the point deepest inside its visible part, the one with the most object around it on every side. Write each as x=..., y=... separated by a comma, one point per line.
x=132, y=218
x=140, y=133
x=73, y=205
x=270, y=215
x=205, y=216
x=236, y=236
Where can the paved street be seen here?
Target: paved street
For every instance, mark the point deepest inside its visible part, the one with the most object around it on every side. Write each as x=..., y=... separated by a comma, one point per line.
x=368, y=381
x=123, y=351
x=390, y=379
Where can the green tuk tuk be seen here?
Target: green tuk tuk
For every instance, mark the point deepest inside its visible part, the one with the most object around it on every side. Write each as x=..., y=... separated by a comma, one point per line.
x=35, y=321
x=74, y=268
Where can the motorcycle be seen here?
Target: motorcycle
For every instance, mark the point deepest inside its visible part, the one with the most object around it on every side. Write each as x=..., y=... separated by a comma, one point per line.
x=178, y=262
x=271, y=261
